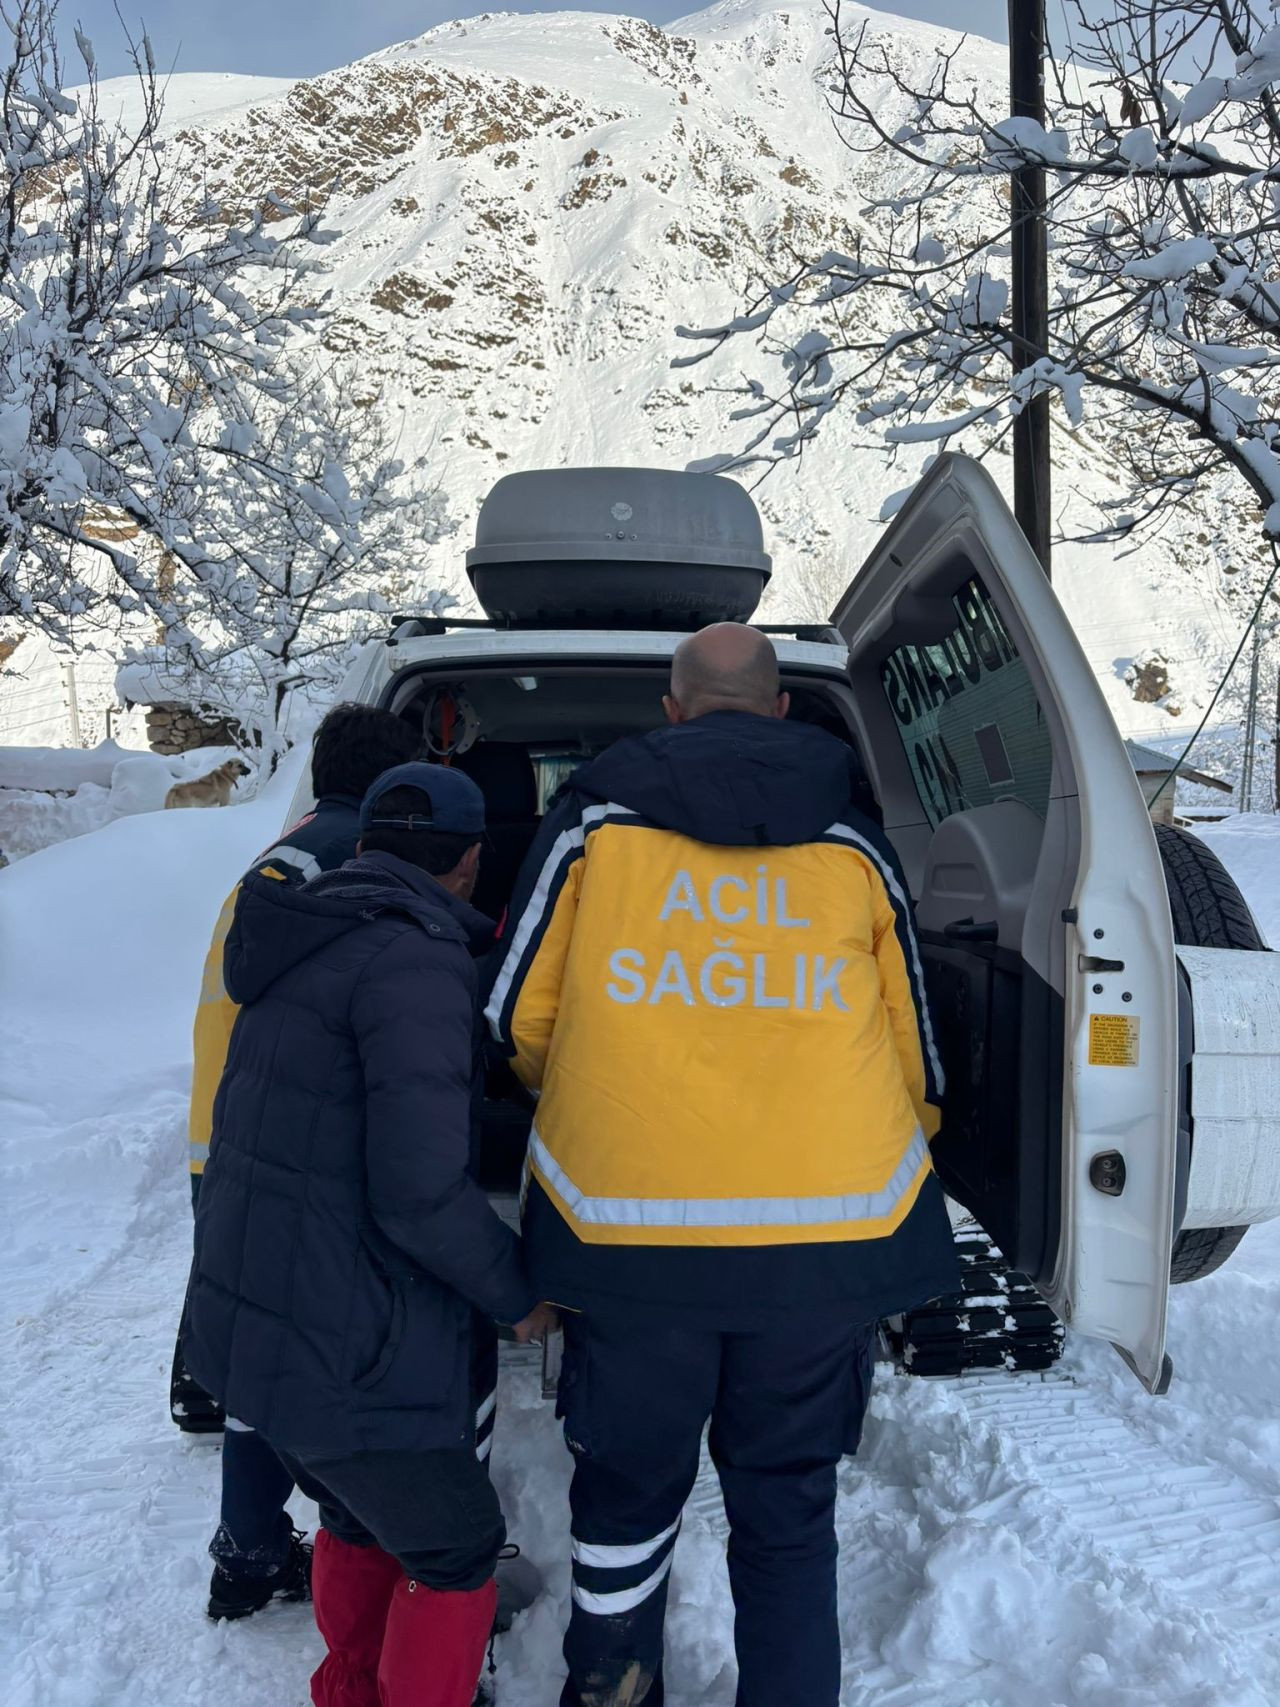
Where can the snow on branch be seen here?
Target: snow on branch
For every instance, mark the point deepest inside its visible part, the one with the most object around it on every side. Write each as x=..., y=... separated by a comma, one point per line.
x=137, y=340
x=174, y=465
x=1164, y=254
x=318, y=535
x=931, y=432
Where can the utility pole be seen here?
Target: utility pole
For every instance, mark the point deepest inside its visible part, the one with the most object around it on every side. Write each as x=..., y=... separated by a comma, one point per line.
x=73, y=700
x=1251, y=724
x=1031, y=484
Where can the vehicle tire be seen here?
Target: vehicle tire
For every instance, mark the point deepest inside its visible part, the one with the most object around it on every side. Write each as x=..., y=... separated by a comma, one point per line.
x=1197, y=1251
x=1208, y=909
x=1208, y=912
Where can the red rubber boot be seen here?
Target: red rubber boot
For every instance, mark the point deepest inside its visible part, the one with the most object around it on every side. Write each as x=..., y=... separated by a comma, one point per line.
x=435, y=1645
x=351, y=1590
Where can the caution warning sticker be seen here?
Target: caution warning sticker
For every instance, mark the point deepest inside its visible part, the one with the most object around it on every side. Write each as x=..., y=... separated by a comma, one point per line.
x=1113, y=1040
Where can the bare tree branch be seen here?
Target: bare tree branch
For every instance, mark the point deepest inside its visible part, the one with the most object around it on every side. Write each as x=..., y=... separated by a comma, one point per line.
x=1164, y=228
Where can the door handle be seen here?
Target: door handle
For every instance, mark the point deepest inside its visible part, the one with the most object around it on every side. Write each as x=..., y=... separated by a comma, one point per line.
x=966, y=930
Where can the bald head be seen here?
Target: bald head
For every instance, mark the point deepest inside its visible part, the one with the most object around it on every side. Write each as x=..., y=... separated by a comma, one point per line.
x=727, y=667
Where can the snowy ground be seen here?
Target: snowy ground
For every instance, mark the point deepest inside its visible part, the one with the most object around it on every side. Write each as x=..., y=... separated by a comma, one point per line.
x=1247, y=845
x=1007, y=1543
x=49, y=794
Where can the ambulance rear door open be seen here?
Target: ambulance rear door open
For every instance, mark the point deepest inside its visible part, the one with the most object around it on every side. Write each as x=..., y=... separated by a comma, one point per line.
x=1041, y=902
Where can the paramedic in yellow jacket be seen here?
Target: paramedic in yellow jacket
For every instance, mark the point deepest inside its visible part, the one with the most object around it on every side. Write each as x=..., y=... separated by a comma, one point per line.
x=353, y=745
x=712, y=982
x=257, y=1557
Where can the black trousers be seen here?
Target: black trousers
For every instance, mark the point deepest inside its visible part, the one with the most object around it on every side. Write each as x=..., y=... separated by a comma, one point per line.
x=255, y=1530
x=785, y=1404
x=436, y=1513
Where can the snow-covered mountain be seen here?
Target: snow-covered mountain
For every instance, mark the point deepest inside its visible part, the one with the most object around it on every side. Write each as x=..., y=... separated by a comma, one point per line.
x=528, y=206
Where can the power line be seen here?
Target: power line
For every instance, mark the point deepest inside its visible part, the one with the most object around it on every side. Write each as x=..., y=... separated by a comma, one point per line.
x=1244, y=638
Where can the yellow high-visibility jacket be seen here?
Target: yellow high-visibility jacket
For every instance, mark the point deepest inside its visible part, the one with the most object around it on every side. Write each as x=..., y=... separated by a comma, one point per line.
x=711, y=979
x=325, y=838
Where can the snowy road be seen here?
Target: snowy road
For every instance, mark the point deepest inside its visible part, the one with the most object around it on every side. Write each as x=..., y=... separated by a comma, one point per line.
x=1006, y=1539
x=1007, y=1542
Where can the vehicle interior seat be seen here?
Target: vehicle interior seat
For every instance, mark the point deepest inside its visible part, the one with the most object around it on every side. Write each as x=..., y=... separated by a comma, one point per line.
x=504, y=774
x=808, y=707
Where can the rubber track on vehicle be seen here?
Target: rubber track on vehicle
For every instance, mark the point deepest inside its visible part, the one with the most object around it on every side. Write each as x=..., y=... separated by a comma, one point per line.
x=998, y=1321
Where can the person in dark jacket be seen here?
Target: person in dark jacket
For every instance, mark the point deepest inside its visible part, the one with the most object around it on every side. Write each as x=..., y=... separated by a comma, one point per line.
x=257, y=1555
x=711, y=978
x=345, y=1258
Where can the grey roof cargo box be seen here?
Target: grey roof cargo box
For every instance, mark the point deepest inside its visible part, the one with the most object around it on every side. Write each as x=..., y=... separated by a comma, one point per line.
x=644, y=547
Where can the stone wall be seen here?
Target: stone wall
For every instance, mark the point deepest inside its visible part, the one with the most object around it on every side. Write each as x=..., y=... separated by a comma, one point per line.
x=176, y=728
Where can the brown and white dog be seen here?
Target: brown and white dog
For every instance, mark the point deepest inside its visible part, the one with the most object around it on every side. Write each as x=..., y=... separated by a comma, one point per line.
x=212, y=790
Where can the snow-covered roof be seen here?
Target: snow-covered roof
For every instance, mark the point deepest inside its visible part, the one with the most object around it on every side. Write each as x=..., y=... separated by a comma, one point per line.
x=57, y=769
x=1149, y=761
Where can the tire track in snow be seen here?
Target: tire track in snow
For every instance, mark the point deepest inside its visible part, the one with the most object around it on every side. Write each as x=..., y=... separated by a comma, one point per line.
x=976, y=1482
x=109, y=1510
x=1198, y=1528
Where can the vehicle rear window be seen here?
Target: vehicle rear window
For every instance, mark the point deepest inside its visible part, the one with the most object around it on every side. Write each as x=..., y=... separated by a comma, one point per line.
x=968, y=715
x=553, y=770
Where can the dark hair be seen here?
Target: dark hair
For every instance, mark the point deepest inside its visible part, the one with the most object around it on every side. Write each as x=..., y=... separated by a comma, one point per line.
x=355, y=744
x=435, y=851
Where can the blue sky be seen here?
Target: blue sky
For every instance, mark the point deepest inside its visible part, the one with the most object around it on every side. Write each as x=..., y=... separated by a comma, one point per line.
x=296, y=38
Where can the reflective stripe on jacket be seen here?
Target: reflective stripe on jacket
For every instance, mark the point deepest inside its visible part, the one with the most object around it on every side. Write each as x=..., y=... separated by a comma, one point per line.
x=703, y=1023
x=324, y=839
x=729, y=1037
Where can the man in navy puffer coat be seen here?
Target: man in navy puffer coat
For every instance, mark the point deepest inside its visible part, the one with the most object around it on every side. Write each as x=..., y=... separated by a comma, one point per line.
x=343, y=1250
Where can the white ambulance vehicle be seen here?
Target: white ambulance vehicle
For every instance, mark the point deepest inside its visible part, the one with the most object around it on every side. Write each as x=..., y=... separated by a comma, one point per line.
x=1109, y=1013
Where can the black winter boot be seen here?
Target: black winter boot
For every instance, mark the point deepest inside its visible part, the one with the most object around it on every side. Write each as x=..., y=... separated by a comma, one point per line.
x=234, y=1595
x=189, y=1405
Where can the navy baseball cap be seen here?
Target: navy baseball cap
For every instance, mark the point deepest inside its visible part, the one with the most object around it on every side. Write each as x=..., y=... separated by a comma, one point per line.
x=453, y=802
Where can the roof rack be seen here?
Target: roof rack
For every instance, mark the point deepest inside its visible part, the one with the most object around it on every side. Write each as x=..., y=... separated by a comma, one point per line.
x=813, y=633
x=405, y=626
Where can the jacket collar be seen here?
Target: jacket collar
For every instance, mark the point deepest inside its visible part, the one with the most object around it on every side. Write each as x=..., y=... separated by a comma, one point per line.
x=729, y=778
x=479, y=930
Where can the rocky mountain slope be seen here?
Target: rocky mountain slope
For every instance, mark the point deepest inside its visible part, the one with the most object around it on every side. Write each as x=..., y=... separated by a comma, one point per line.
x=528, y=206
